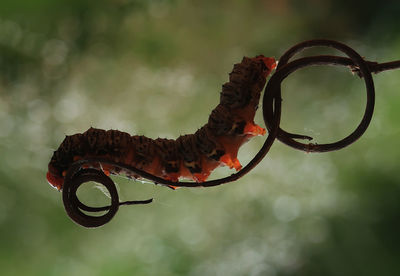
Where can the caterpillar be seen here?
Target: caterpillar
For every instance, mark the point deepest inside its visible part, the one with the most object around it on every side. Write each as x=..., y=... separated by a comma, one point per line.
x=190, y=156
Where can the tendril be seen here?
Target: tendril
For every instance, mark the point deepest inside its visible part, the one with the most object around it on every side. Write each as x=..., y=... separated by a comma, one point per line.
x=76, y=175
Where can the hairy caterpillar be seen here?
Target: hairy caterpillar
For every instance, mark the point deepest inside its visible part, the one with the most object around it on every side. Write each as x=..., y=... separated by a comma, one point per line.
x=191, y=156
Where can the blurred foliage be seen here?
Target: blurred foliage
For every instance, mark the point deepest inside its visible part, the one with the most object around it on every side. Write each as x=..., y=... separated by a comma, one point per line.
x=155, y=68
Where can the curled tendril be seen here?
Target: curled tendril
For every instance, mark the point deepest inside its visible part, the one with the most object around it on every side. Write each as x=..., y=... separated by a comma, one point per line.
x=76, y=176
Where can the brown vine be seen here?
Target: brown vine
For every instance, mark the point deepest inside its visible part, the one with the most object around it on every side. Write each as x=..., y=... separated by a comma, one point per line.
x=76, y=175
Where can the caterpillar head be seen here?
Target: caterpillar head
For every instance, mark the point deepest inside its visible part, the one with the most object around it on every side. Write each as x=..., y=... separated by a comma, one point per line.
x=269, y=63
x=55, y=177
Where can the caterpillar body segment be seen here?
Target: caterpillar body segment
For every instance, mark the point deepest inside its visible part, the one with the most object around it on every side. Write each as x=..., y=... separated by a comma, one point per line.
x=191, y=156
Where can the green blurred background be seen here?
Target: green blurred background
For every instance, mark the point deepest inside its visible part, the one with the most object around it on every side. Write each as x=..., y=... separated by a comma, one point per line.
x=156, y=68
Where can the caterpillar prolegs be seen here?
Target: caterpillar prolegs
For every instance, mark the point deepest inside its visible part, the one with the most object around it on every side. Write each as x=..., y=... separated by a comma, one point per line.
x=191, y=156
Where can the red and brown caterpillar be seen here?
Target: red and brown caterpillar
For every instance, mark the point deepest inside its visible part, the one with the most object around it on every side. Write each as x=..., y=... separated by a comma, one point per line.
x=192, y=156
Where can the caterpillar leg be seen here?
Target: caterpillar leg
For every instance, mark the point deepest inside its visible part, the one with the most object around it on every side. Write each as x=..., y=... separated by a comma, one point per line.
x=253, y=129
x=174, y=177
x=107, y=169
x=231, y=162
x=201, y=177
